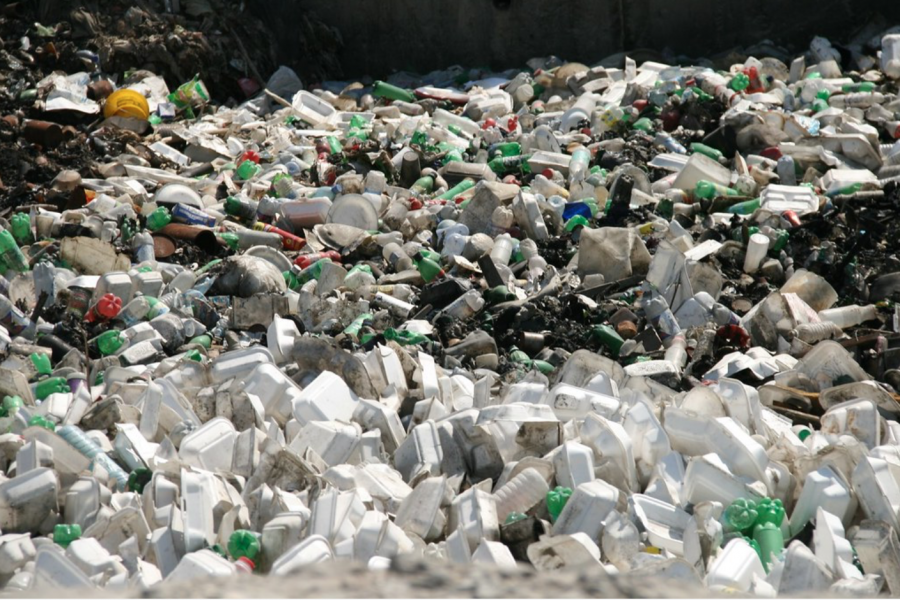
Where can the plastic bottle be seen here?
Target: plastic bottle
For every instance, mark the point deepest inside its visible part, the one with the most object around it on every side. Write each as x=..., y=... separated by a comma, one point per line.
x=707, y=150
x=144, y=250
x=502, y=250
x=77, y=438
x=10, y=253
x=380, y=89
x=397, y=258
x=159, y=218
x=41, y=363
x=107, y=307
x=64, y=534
x=578, y=166
x=20, y=224
x=305, y=260
x=660, y=315
x=556, y=501
x=756, y=252
x=244, y=544
x=740, y=516
x=109, y=342
x=849, y=316
x=429, y=269
x=465, y=306
x=607, y=336
x=669, y=143
x=709, y=190
x=241, y=208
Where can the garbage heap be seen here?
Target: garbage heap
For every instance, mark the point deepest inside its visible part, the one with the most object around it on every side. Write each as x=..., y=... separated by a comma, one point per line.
x=631, y=320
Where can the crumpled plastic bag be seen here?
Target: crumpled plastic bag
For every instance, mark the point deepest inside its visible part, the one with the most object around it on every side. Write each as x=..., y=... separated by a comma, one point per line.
x=247, y=275
x=614, y=252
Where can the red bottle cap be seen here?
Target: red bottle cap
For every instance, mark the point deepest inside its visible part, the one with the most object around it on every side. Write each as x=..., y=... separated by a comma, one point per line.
x=249, y=155
x=415, y=204
x=488, y=123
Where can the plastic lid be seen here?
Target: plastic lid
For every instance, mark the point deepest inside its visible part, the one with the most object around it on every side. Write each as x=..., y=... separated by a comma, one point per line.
x=354, y=210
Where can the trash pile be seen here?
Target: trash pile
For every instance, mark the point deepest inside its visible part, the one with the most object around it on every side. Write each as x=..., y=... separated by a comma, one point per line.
x=642, y=320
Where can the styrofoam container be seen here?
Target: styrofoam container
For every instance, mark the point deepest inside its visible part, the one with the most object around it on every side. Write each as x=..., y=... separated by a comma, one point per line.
x=830, y=544
x=586, y=509
x=570, y=402
x=327, y=398
x=700, y=167
x=238, y=364
x=421, y=450
x=574, y=464
x=798, y=198
x=877, y=490
x=314, y=549
x=275, y=390
x=116, y=282
x=475, y=512
x=198, y=498
x=707, y=479
x=211, y=446
x=735, y=567
x=494, y=554
x=27, y=500
x=52, y=569
x=562, y=551
x=16, y=549
x=838, y=179
x=281, y=534
x=336, y=516
x=314, y=110
x=92, y=558
x=201, y=564
x=375, y=415
x=542, y=160
x=334, y=442
x=612, y=448
x=148, y=283
x=420, y=512
x=858, y=418
x=822, y=489
x=663, y=522
x=649, y=438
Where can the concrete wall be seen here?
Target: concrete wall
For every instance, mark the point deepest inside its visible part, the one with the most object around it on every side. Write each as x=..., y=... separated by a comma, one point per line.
x=381, y=36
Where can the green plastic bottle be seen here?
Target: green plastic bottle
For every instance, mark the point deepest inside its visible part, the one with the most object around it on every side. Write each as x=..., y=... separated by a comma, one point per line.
x=504, y=164
x=243, y=543
x=709, y=190
x=556, y=501
x=643, y=124
x=52, y=385
x=240, y=208
x=11, y=254
x=194, y=355
x=353, y=328
x=204, y=340
x=608, y=336
x=40, y=421
x=380, y=89
x=744, y=208
x=508, y=149
x=248, y=170
x=429, y=269
x=514, y=517
x=862, y=86
x=110, y=341
x=770, y=511
x=159, y=218
x=21, y=228
x=771, y=541
x=740, y=516
x=707, y=151
x=405, y=337
x=64, y=534
x=496, y=295
x=10, y=405
x=423, y=186
x=41, y=363
x=456, y=190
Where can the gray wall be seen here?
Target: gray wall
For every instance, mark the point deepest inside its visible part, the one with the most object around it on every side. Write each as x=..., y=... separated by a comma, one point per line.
x=381, y=36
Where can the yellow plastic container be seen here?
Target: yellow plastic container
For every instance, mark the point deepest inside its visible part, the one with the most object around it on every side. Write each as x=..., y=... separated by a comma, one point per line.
x=127, y=103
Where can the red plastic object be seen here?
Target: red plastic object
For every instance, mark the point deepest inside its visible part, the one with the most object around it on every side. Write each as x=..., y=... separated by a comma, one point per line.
x=640, y=104
x=512, y=124
x=771, y=152
x=106, y=308
x=306, y=260
x=791, y=217
x=488, y=123
x=249, y=155
x=734, y=334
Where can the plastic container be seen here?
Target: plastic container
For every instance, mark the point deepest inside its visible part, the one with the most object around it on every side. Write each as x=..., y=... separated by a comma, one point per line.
x=521, y=493
x=201, y=564
x=127, y=103
x=210, y=446
x=314, y=110
x=735, y=568
x=312, y=550
x=849, y=316
x=756, y=252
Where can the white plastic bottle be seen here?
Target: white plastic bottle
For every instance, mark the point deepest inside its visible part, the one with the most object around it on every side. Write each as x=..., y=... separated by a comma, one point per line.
x=848, y=316
x=502, y=250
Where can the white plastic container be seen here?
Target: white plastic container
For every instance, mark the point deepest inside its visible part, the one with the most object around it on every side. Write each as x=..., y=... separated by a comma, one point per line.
x=521, y=493
x=570, y=402
x=314, y=110
x=198, y=498
x=735, y=567
x=211, y=446
x=563, y=551
x=281, y=534
x=445, y=118
x=543, y=160
x=238, y=364
x=421, y=450
x=118, y=283
x=201, y=565
x=877, y=490
x=858, y=418
x=612, y=446
x=586, y=509
x=52, y=569
x=580, y=111
x=335, y=516
x=663, y=522
x=700, y=167
x=475, y=512
x=16, y=549
x=28, y=499
x=574, y=464
x=756, y=252
x=306, y=213
x=326, y=398
x=890, y=55
x=314, y=549
x=420, y=513
x=798, y=198
x=332, y=441
x=837, y=179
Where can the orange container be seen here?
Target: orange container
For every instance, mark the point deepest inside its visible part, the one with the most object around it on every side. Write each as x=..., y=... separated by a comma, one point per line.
x=127, y=103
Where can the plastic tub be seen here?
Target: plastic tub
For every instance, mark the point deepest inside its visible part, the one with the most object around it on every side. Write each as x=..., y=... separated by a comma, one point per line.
x=306, y=213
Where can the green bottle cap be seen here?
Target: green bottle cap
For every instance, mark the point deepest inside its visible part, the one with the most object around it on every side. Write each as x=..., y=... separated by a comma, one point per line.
x=10, y=405
x=138, y=479
x=109, y=342
x=41, y=363
x=243, y=543
x=63, y=534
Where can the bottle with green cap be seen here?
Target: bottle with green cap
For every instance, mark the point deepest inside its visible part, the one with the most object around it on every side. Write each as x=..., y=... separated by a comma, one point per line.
x=159, y=218
x=241, y=208
x=744, y=208
x=21, y=229
x=41, y=362
x=423, y=186
x=204, y=340
x=577, y=221
x=643, y=124
x=466, y=184
x=556, y=501
x=771, y=541
x=405, y=337
x=352, y=330
x=194, y=355
x=243, y=543
x=247, y=170
x=65, y=534
x=739, y=82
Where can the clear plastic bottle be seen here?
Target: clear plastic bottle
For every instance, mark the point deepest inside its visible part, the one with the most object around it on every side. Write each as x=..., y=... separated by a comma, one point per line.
x=397, y=258
x=578, y=166
x=86, y=446
x=144, y=251
x=502, y=250
x=849, y=316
